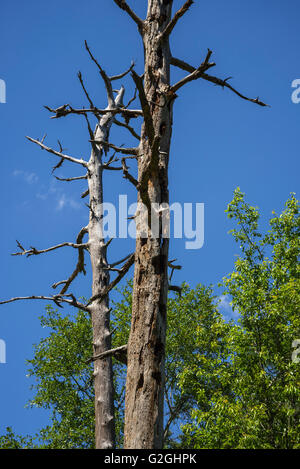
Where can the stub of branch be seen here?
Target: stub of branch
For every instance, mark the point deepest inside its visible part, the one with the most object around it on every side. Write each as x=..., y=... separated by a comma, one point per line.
x=169, y=28
x=176, y=289
x=217, y=81
x=124, y=6
x=120, y=353
x=57, y=153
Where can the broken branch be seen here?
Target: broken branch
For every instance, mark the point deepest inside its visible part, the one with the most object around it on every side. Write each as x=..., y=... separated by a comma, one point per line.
x=57, y=153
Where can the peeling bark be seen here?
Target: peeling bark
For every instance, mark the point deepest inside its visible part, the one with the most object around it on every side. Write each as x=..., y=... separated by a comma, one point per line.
x=146, y=347
x=99, y=307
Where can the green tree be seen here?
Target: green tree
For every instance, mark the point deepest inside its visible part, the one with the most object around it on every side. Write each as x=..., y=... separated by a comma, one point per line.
x=64, y=380
x=262, y=409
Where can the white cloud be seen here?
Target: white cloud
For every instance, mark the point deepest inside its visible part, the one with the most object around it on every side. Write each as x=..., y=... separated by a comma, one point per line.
x=30, y=178
x=61, y=200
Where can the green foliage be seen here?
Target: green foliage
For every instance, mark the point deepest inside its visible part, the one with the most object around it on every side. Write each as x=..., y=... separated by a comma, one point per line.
x=228, y=384
x=64, y=380
x=262, y=408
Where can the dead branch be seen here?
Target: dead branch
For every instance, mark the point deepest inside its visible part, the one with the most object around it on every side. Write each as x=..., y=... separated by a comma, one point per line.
x=85, y=91
x=197, y=73
x=107, y=82
x=108, y=353
x=145, y=105
x=57, y=153
x=80, y=267
x=33, y=251
x=57, y=299
x=132, y=99
x=124, y=151
x=85, y=194
x=217, y=81
x=176, y=289
x=129, y=113
x=127, y=175
x=122, y=75
x=173, y=267
x=119, y=277
x=128, y=127
x=78, y=178
x=124, y=6
x=169, y=28
x=114, y=264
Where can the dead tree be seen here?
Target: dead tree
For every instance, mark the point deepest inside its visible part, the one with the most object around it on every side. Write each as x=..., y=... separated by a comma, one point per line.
x=146, y=347
x=96, y=245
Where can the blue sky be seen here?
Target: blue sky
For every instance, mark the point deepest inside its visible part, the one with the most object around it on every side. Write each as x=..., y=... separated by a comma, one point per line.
x=219, y=142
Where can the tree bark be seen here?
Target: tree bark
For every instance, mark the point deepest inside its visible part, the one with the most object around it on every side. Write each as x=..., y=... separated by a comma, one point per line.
x=100, y=312
x=146, y=347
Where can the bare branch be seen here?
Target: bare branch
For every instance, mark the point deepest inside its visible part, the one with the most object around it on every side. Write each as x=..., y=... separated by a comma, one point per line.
x=145, y=105
x=85, y=194
x=176, y=289
x=224, y=84
x=84, y=89
x=119, y=277
x=127, y=175
x=129, y=113
x=132, y=99
x=124, y=6
x=58, y=299
x=33, y=251
x=78, y=178
x=80, y=264
x=173, y=267
x=107, y=82
x=217, y=81
x=128, y=127
x=57, y=153
x=122, y=75
x=108, y=353
x=197, y=73
x=169, y=28
x=114, y=264
x=124, y=151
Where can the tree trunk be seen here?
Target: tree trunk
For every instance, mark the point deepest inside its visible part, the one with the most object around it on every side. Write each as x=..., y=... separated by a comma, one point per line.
x=146, y=347
x=100, y=312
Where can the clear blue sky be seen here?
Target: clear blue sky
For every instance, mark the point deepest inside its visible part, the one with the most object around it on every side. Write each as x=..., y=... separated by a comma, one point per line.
x=219, y=142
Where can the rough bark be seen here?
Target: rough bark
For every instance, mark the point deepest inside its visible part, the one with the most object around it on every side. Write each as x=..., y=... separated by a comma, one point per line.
x=99, y=307
x=146, y=347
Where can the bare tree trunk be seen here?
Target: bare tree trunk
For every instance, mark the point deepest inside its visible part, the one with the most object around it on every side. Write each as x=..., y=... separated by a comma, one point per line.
x=146, y=347
x=100, y=313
